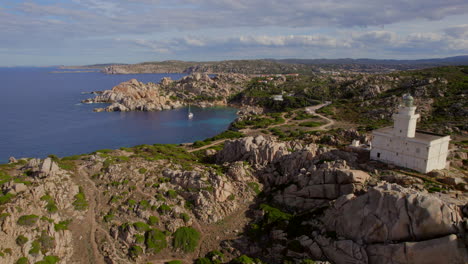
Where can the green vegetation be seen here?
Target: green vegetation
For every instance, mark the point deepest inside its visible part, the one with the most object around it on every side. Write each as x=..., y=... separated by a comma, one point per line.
x=171, y=194
x=141, y=227
x=49, y=260
x=184, y=217
x=255, y=187
x=303, y=115
x=174, y=262
x=164, y=209
x=27, y=220
x=273, y=215
x=228, y=134
x=22, y=260
x=153, y=220
x=5, y=198
x=62, y=225
x=65, y=164
x=259, y=121
x=21, y=240
x=212, y=257
x=142, y=170
x=35, y=248
x=311, y=124
x=80, y=202
x=155, y=240
x=135, y=251
x=243, y=260
x=186, y=239
x=51, y=206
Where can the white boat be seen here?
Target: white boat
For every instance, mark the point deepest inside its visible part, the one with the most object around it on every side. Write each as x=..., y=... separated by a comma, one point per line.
x=190, y=114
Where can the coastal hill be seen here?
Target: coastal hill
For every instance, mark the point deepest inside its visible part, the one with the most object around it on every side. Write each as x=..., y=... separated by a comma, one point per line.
x=282, y=185
x=272, y=66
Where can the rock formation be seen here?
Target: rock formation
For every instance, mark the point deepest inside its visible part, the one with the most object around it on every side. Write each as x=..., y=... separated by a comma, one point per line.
x=196, y=89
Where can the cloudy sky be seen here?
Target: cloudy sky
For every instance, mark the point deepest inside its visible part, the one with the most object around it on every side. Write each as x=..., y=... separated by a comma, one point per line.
x=76, y=32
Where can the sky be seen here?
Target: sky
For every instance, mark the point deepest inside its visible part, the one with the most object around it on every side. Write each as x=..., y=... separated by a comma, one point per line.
x=80, y=32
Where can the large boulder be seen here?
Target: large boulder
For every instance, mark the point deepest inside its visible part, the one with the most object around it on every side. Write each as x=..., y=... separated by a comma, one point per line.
x=389, y=212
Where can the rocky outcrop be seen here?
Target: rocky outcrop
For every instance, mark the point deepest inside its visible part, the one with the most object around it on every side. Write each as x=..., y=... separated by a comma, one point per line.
x=135, y=96
x=258, y=151
x=390, y=212
x=197, y=89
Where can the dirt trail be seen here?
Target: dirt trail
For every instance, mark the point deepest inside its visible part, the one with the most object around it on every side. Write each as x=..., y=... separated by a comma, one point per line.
x=312, y=110
x=88, y=224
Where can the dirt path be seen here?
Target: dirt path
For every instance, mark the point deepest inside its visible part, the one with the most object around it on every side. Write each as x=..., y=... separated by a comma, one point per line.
x=89, y=225
x=312, y=110
x=86, y=228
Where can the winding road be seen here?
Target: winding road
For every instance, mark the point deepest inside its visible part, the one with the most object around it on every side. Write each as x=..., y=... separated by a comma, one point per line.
x=309, y=109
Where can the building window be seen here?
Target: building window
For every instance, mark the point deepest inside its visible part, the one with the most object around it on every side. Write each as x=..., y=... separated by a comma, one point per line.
x=397, y=154
x=401, y=131
x=418, y=150
x=378, y=155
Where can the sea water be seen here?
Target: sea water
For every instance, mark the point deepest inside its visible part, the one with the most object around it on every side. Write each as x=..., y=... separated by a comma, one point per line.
x=41, y=114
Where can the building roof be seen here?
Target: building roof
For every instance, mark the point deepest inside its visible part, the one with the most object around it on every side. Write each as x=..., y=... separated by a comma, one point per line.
x=421, y=136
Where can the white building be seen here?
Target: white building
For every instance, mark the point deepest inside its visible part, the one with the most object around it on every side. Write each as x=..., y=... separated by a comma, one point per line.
x=403, y=146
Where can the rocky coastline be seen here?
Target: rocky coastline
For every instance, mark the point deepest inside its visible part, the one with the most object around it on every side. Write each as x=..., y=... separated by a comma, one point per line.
x=196, y=89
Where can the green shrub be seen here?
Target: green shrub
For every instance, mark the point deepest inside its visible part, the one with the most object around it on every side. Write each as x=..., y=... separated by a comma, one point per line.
x=3, y=216
x=62, y=225
x=155, y=240
x=141, y=227
x=274, y=214
x=243, y=260
x=49, y=260
x=27, y=220
x=5, y=198
x=22, y=260
x=203, y=261
x=310, y=124
x=215, y=256
x=185, y=217
x=142, y=170
x=164, y=209
x=47, y=242
x=139, y=239
x=35, y=248
x=255, y=187
x=174, y=262
x=80, y=202
x=186, y=238
x=21, y=240
x=153, y=220
x=109, y=217
x=51, y=206
x=134, y=251
x=171, y=194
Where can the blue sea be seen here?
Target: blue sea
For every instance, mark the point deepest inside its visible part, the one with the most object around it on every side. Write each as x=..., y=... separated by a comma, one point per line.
x=41, y=114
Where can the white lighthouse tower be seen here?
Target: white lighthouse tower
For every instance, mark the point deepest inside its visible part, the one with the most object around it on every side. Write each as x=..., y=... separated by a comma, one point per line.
x=404, y=146
x=405, y=119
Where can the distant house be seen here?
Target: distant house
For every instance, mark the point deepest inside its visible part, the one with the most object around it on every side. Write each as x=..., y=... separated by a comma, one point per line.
x=404, y=146
x=277, y=97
